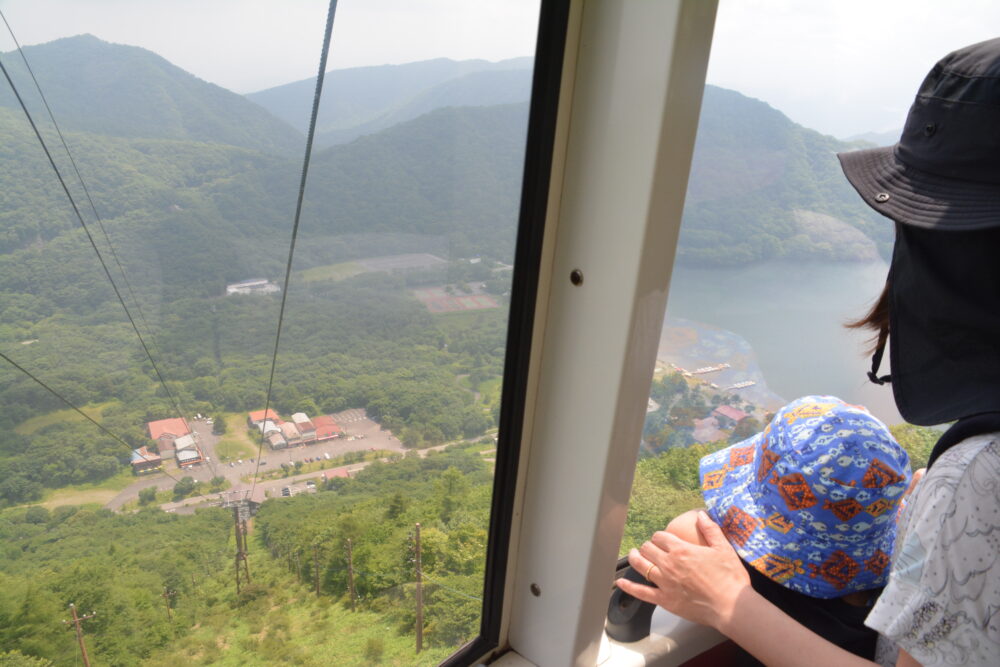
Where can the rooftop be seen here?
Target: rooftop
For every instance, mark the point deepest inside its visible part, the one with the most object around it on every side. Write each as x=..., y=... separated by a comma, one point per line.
x=185, y=442
x=175, y=427
x=258, y=415
x=731, y=412
x=325, y=426
x=143, y=455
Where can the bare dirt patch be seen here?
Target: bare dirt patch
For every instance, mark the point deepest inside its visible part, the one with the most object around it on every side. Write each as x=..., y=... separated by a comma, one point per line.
x=437, y=300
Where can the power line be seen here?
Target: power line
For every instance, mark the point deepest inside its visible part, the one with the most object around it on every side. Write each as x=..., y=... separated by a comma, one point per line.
x=295, y=224
x=90, y=237
x=81, y=412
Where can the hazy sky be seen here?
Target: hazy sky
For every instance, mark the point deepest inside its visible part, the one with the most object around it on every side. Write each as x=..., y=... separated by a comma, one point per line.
x=838, y=66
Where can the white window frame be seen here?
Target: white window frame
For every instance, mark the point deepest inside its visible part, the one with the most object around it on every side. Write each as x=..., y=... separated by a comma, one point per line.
x=633, y=78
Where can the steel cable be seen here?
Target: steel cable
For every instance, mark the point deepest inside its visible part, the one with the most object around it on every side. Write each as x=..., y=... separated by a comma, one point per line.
x=295, y=224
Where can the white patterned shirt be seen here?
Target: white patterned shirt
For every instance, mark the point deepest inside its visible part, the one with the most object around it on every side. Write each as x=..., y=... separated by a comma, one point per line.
x=942, y=601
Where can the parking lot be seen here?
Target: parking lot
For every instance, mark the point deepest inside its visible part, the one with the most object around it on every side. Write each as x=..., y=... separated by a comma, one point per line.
x=359, y=434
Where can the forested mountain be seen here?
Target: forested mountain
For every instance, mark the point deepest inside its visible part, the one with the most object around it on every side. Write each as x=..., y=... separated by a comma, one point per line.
x=453, y=174
x=126, y=91
x=185, y=217
x=362, y=100
x=761, y=186
x=478, y=89
x=193, y=216
x=757, y=183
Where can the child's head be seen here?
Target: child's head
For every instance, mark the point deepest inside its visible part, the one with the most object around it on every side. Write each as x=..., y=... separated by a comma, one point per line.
x=810, y=502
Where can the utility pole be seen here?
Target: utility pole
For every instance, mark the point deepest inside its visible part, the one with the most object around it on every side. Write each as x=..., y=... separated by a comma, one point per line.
x=350, y=573
x=420, y=596
x=167, y=594
x=241, y=551
x=77, y=620
x=316, y=567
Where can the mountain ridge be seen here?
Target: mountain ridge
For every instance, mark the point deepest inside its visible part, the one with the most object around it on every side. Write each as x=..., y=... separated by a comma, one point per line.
x=754, y=174
x=127, y=91
x=355, y=99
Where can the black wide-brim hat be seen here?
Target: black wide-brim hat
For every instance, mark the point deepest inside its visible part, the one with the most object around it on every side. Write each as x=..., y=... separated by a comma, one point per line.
x=941, y=183
x=945, y=171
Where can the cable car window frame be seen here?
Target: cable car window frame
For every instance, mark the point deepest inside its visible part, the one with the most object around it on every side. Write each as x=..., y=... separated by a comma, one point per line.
x=540, y=140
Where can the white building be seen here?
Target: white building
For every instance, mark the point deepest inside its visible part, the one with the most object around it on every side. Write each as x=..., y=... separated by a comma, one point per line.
x=187, y=451
x=268, y=426
x=252, y=286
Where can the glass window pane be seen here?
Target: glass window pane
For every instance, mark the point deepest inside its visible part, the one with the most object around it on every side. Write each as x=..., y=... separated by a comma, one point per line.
x=359, y=486
x=776, y=249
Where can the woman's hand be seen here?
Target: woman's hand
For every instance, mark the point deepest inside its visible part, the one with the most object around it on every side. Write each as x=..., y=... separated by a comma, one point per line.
x=701, y=584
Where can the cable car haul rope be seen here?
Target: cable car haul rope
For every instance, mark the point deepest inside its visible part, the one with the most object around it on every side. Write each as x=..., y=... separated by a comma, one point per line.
x=107, y=272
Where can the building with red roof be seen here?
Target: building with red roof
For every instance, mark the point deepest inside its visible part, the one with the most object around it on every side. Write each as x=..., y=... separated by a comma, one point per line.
x=144, y=460
x=165, y=431
x=257, y=416
x=326, y=428
x=729, y=416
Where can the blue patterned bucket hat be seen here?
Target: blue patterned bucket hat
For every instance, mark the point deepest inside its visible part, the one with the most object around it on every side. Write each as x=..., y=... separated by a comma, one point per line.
x=810, y=502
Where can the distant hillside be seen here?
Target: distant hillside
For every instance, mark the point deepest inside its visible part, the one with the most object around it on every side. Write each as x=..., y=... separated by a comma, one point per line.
x=363, y=100
x=761, y=186
x=126, y=91
x=188, y=210
x=758, y=181
x=478, y=89
x=877, y=138
x=190, y=216
x=454, y=174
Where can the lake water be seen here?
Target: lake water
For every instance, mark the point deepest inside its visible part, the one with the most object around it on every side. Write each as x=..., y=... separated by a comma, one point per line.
x=792, y=315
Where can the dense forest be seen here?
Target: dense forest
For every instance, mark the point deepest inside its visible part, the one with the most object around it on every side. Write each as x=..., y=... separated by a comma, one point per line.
x=51, y=558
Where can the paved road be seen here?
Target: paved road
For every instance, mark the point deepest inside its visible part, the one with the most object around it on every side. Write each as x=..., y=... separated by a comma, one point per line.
x=272, y=488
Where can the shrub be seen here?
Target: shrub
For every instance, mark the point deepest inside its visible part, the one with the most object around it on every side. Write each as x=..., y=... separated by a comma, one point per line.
x=148, y=495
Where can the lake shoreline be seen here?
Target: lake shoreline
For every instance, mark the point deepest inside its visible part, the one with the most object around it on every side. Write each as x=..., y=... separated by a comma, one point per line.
x=789, y=316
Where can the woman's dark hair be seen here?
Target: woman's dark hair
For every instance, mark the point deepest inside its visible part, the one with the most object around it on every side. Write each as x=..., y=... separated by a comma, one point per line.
x=876, y=319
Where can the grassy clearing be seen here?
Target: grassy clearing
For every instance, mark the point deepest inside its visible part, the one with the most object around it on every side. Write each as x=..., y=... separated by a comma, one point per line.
x=236, y=430
x=30, y=426
x=489, y=391
x=332, y=272
x=466, y=319
x=231, y=448
x=83, y=494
